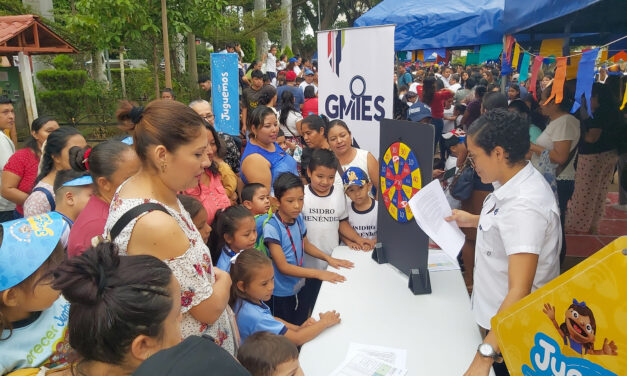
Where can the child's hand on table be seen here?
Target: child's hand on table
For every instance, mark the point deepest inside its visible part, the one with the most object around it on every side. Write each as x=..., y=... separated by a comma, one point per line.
x=339, y=263
x=368, y=244
x=330, y=277
x=354, y=246
x=330, y=318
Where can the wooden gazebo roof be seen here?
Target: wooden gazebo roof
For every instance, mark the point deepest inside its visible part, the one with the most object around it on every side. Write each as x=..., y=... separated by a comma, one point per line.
x=25, y=33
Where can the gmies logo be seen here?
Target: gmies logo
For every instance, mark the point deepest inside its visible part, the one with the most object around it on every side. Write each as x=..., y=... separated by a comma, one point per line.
x=359, y=106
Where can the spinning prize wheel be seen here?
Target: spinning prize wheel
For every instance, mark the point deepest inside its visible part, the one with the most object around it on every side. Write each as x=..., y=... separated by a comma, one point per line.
x=400, y=180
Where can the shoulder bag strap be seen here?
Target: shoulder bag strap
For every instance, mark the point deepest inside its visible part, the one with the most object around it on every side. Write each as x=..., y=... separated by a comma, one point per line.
x=562, y=167
x=49, y=197
x=132, y=214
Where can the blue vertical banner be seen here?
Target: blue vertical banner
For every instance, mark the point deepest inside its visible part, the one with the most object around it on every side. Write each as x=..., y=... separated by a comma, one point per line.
x=225, y=92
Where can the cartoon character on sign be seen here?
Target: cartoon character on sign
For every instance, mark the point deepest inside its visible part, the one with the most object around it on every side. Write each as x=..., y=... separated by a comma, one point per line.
x=578, y=331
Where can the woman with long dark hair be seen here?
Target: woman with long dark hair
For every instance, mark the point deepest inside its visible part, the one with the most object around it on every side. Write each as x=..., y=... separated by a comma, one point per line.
x=435, y=100
x=55, y=158
x=597, y=161
x=20, y=171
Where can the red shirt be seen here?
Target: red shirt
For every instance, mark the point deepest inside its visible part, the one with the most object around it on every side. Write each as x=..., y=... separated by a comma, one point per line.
x=24, y=164
x=89, y=223
x=310, y=107
x=437, y=105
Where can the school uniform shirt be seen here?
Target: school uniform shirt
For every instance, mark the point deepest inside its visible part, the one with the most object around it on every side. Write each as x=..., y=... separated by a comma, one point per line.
x=364, y=222
x=322, y=215
x=224, y=261
x=6, y=151
x=67, y=227
x=252, y=318
x=520, y=216
x=275, y=231
x=38, y=341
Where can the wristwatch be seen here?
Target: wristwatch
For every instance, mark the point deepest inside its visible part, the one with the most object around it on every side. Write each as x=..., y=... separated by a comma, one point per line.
x=487, y=351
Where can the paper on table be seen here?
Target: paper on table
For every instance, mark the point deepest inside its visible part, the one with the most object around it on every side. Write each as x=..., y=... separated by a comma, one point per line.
x=397, y=357
x=364, y=365
x=430, y=207
x=440, y=261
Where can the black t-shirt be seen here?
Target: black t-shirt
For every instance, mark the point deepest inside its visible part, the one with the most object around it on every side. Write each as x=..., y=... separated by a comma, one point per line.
x=612, y=127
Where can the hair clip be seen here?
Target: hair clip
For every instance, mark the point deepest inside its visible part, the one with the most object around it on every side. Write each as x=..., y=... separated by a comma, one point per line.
x=86, y=158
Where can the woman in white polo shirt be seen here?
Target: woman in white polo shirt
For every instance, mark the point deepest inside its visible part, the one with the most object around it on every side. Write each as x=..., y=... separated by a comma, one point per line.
x=519, y=225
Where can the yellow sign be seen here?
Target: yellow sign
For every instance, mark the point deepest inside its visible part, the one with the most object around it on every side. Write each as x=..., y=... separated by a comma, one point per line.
x=576, y=325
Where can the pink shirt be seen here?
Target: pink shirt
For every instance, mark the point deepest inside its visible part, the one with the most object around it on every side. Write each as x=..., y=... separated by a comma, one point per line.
x=213, y=198
x=89, y=223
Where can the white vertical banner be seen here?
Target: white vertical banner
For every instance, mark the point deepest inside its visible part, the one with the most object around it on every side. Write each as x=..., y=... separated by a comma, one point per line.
x=356, y=79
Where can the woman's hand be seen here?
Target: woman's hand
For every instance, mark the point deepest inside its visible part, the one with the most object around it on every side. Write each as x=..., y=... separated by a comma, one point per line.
x=463, y=218
x=480, y=366
x=352, y=245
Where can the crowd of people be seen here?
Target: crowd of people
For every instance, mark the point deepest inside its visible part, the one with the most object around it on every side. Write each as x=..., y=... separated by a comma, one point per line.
x=112, y=254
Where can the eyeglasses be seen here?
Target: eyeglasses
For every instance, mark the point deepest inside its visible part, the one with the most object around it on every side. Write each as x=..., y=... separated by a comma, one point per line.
x=208, y=116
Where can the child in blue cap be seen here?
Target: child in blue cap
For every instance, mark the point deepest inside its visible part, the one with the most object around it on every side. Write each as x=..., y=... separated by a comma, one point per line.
x=362, y=211
x=33, y=317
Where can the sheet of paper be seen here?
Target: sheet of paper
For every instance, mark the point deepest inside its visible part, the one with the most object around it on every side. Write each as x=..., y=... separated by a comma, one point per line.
x=430, y=207
x=364, y=365
x=440, y=261
x=396, y=357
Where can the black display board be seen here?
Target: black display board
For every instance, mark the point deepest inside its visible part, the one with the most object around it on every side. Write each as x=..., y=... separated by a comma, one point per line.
x=404, y=244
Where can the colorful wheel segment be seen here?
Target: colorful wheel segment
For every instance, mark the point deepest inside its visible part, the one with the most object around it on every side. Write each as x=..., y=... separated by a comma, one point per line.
x=400, y=180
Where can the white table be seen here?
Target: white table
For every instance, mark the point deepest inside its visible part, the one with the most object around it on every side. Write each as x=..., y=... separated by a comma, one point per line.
x=377, y=308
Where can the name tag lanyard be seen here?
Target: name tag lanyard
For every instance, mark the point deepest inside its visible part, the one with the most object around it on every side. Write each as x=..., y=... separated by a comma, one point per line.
x=302, y=241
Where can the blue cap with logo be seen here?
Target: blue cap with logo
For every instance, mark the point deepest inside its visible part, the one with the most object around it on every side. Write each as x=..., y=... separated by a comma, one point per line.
x=418, y=111
x=26, y=245
x=354, y=176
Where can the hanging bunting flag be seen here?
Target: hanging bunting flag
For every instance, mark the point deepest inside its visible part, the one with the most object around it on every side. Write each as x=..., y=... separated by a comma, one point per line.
x=603, y=55
x=557, y=91
x=524, y=67
x=509, y=43
x=516, y=55
x=490, y=52
x=571, y=69
x=624, y=98
x=537, y=64
x=417, y=56
x=551, y=47
x=585, y=79
x=472, y=58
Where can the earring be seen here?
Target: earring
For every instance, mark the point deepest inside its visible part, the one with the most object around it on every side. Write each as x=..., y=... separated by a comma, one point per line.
x=163, y=166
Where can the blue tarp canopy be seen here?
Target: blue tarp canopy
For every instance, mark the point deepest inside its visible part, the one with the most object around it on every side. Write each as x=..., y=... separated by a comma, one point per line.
x=424, y=24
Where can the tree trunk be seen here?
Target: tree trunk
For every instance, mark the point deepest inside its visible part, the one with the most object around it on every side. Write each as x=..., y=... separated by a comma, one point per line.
x=261, y=39
x=327, y=16
x=166, y=44
x=192, y=61
x=97, y=66
x=180, y=52
x=155, y=66
x=122, y=78
x=286, y=25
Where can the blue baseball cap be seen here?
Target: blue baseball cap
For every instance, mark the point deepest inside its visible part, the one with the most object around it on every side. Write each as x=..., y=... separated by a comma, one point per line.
x=418, y=111
x=292, y=60
x=83, y=180
x=309, y=72
x=354, y=176
x=26, y=245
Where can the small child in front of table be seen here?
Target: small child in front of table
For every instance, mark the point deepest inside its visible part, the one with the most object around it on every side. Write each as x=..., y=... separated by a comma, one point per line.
x=237, y=230
x=267, y=354
x=362, y=212
x=30, y=310
x=285, y=236
x=72, y=191
x=252, y=279
x=198, y=213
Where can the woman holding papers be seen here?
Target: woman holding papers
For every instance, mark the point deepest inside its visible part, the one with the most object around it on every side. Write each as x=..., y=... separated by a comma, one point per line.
x=519, y=225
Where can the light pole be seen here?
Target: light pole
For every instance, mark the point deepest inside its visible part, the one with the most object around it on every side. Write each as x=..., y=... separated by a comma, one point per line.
x=166, y=45
x=318, y=15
